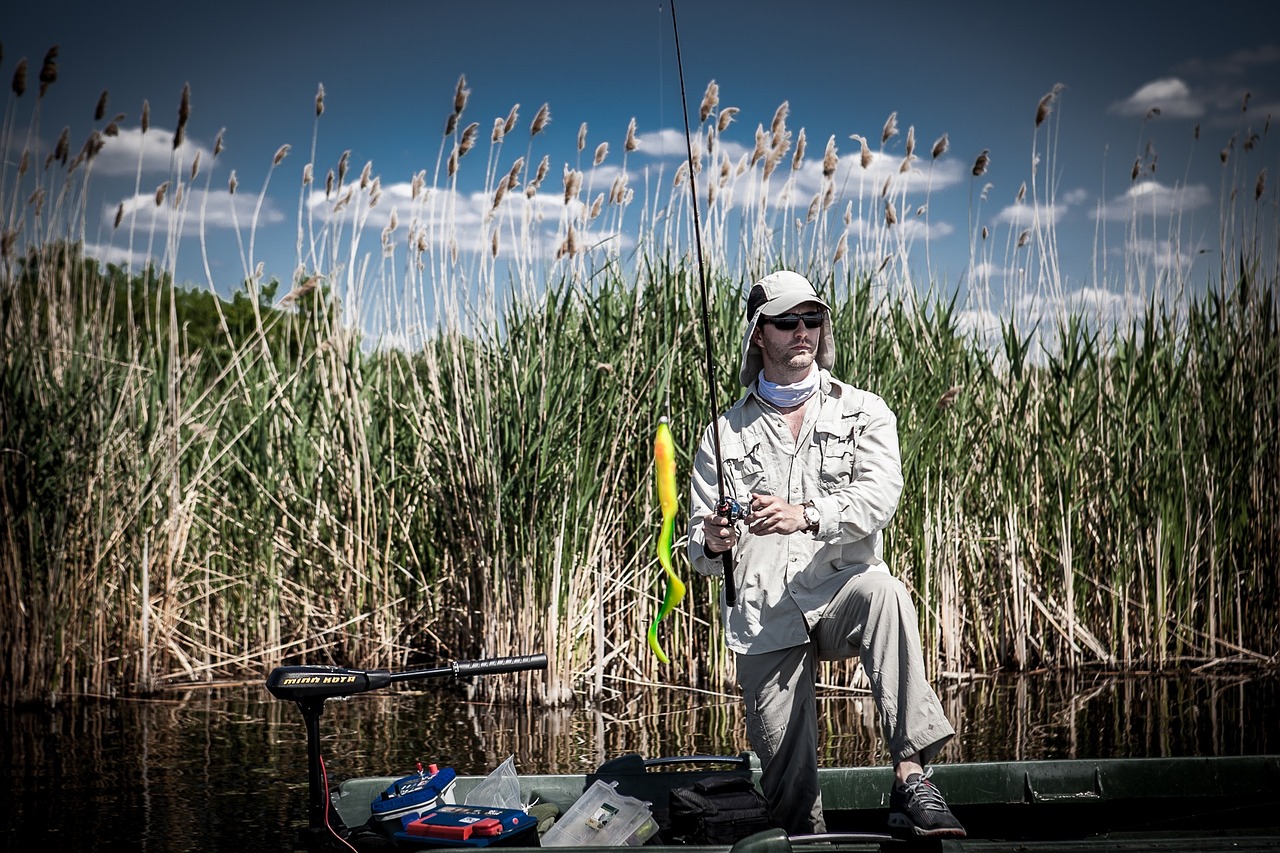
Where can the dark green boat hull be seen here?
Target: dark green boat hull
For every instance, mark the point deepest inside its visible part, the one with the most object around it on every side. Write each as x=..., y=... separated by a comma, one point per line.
x=1175, y=804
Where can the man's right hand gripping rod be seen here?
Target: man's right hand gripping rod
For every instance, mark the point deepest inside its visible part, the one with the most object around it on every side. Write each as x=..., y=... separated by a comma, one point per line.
x=734, y=512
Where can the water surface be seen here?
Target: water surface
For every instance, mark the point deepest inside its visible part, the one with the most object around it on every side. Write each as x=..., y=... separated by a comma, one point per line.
x=224, y=769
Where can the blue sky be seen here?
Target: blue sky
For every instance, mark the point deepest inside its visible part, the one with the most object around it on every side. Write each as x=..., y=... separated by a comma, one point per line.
x=974, y=72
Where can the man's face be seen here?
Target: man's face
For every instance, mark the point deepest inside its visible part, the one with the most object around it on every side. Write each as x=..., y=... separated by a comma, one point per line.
x=788, y=352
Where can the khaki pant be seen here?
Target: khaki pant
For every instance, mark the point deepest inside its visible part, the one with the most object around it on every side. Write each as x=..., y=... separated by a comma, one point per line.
x=873, y=618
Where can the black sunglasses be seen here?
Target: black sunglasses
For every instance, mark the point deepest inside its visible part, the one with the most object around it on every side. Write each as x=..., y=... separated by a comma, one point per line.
x=788, y=322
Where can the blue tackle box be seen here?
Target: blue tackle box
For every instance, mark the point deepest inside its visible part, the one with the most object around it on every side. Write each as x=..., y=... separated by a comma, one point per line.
x=429, y=787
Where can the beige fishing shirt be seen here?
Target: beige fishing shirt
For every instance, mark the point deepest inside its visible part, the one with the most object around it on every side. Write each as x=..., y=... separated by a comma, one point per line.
x=846, y=461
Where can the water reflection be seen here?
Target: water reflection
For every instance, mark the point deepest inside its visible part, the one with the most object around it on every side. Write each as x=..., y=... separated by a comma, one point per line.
x=225, y=769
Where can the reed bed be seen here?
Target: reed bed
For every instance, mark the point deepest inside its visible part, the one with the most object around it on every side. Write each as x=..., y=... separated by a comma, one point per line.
x=435, y=444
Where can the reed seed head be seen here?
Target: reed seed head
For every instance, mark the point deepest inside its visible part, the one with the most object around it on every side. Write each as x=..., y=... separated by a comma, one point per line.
x=497, y=133
x=890, y=215
x=119, y=215
x=232, y=183
x=195, y=166
x=468, y=138
x=512, y=117
x=631, y=144
x=710, y=100
x=798, y=157
x=100, y=111
x=319, y=100
x=281, y=153
x=60, y=150
x=112, y=129
x=830, y=159
x=1261, y=186
x=160, y=191
x=890, y=129
x=602, y=151
x=146, y=115
x=184, y=113
x=940, y=146
x=761, y=148
x=49, y=70
x=20, y=77
x=726, y=118
x=307, y=175
x=582, y=136
x=1023, y=238
x=1022, y=193
x=1044, y=108
x=780, y=118
x=540, y=120
x=865, y=157
x=980, y=165
x=217, y=142
x=911, y=141
x=460, y=95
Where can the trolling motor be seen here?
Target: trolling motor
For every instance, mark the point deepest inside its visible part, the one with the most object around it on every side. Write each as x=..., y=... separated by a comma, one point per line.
x=311, y=686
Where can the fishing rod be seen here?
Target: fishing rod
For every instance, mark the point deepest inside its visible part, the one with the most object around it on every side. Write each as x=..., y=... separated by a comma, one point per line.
x=725, y=505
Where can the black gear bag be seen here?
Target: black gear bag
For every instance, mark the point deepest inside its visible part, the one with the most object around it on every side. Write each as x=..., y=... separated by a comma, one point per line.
x=719, y=809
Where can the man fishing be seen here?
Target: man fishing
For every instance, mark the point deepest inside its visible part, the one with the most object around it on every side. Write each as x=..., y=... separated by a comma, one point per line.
x=814, y=464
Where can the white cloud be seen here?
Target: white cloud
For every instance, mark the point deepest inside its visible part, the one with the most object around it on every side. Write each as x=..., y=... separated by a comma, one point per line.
x=1170, y=95
x=1152, y=198
x=196, y=210
x=120, y=155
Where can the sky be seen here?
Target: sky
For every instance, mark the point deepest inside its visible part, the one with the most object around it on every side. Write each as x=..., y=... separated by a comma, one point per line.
x=1154, y=88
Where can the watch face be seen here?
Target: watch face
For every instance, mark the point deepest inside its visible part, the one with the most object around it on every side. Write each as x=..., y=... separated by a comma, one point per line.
x=811, y=514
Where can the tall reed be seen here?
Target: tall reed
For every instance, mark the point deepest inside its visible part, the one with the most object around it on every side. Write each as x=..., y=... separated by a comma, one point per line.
x=435, y=443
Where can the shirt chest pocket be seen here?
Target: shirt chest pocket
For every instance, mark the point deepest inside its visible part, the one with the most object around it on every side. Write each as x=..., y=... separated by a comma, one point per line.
x=838, y=441
x=745, y=467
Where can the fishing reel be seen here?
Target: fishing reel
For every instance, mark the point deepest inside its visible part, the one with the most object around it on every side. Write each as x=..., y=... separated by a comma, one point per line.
x=732, y=510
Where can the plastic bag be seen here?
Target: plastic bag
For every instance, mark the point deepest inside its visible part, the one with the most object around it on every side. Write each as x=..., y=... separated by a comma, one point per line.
x=500, y=788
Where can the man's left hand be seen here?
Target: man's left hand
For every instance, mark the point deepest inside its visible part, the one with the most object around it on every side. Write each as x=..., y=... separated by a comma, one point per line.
x=771, y=514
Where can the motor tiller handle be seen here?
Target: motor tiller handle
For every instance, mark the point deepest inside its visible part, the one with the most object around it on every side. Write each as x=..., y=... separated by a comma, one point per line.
x=518, y=663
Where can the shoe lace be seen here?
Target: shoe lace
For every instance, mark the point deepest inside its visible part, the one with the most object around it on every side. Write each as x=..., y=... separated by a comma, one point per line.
x=927, y=794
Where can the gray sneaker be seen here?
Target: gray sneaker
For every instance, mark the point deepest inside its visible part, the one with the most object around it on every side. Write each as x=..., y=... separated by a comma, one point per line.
x=916, y=808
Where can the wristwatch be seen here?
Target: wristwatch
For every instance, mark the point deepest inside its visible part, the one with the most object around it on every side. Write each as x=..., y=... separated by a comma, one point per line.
x=812, y=518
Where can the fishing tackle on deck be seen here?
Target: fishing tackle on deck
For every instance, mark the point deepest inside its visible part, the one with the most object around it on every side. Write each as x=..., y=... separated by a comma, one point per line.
x=664, y=464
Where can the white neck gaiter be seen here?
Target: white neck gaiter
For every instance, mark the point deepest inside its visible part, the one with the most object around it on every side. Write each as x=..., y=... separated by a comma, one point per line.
x=786, y=396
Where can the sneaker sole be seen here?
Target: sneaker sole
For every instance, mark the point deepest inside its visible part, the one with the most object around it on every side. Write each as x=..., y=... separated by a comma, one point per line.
x=903, y=825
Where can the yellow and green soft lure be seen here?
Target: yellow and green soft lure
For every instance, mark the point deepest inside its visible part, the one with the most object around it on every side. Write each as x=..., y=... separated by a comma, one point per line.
x=664, y=460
